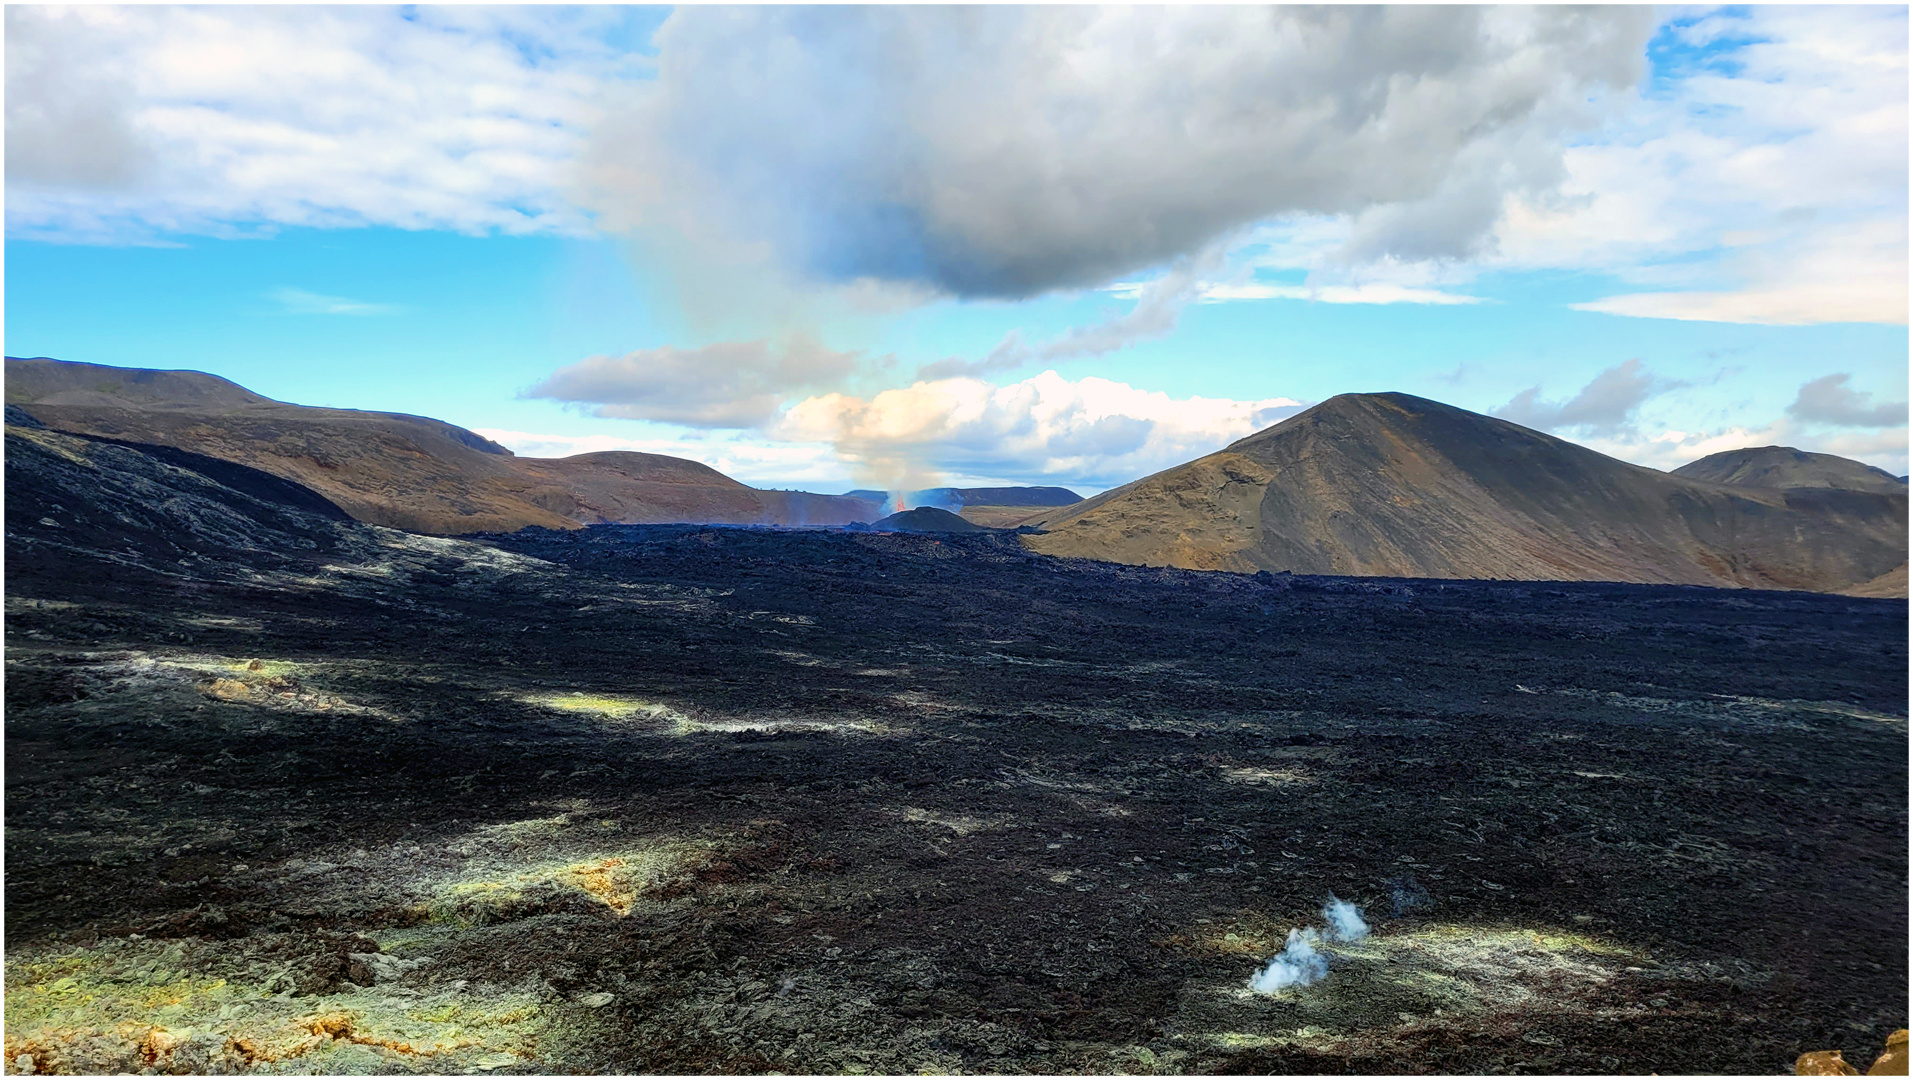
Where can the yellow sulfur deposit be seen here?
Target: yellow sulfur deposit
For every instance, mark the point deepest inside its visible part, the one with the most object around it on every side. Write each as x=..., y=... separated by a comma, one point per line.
x=1891, y=1062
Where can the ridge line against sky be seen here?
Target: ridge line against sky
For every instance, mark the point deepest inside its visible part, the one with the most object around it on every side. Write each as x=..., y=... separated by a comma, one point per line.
x=899, y=247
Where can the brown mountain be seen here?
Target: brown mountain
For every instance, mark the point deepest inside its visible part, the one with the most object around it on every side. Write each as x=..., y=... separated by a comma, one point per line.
x=1785, y=467
x=406, y=472
x=1394, y=485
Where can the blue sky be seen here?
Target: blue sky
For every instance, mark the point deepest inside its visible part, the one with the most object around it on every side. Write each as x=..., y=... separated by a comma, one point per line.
x=796, y=246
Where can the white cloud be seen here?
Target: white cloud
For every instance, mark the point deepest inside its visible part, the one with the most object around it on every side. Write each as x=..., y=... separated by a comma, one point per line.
x=1884, y=449
x=1774, y=194
x=128, y=123
x=1670, y=448
x=1046, y=428
x=1376, y=293
x=301, y=302
x=1855, y=274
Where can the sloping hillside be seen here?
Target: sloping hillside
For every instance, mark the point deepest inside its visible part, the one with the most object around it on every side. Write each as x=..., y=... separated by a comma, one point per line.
x=1394, y=485
x=406, y=472
x=80, y=502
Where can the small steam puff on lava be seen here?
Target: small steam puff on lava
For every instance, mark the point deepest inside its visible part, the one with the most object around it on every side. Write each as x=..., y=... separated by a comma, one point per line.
x=1299, y=964
x=1344, y=919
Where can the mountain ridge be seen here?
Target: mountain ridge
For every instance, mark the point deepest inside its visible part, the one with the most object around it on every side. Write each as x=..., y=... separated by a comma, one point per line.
x=1396, y=485
x=408, y=472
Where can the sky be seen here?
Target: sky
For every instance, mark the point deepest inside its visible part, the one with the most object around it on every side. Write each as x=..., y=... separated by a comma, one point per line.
x=903, y=247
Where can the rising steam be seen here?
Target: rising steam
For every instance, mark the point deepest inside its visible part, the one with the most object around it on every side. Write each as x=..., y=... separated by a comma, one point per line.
x=1296, y=965
x=1299, y=964
x=1344, y=920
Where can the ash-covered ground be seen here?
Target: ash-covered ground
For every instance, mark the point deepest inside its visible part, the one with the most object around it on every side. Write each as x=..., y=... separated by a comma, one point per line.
x=680, y=799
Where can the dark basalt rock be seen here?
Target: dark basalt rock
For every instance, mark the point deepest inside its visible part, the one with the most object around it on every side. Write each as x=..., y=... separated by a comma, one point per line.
x=926, y=519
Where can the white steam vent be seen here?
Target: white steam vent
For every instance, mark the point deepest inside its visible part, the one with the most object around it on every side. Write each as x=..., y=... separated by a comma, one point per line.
x=1299, y=964
x=1345, y=922
x=1296, y=965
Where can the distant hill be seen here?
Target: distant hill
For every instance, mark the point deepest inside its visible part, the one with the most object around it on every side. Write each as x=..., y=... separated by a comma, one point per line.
x=1000, y=496
x=406, y=472
x=58, y=382
x=1389, y=484
x=951, y=498
x=1785, y=467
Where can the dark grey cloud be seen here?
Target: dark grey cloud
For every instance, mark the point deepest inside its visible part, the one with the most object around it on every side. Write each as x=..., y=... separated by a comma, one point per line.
x=1009, y=151
x=69, y=119
x=1603, y=406
x=1830, y=400
x=727, y=385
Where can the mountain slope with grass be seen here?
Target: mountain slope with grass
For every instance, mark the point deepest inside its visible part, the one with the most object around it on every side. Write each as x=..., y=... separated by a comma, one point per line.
x=392, y=469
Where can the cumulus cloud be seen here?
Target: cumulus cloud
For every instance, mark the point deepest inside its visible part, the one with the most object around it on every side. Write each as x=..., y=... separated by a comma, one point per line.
x=1830, y=400
x=1093, y=431
x=729, y=384
x=1604, y=405
x=128, y=123
x=1010, y=151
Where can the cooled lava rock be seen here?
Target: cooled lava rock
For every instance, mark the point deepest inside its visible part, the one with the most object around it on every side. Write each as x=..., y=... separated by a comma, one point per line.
x=926, y=519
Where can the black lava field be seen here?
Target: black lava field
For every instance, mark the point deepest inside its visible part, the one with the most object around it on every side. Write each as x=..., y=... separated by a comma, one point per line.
x=726, y=800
